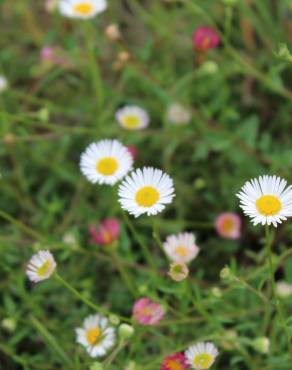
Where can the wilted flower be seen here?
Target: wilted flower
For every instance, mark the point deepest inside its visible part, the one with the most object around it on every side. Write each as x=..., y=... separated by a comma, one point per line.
x=228, y=225
x=283, y=289
x=262, y=345
x=205, y=38
x=178, y=271
x=3, y=84
x=132, y=118
x=41, y=266
x=82, y=9
x=146, y=312
x=181, y=248
x=146, y=190
x=176, y=361
x=266, y=201
x=112, y=32
x=201, y=356
x=106, y=162
x=178, y=114
x=107, y=232
x=96, y=335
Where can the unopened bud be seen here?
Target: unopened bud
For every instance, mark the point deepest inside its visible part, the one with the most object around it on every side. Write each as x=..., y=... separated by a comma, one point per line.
x=178, y=271
x=125, y=331
x=112, y=32
x=261, y=345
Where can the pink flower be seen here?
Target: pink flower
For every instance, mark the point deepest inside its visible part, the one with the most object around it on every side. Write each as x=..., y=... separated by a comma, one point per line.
x=107, y=232
x=133, y=151
x=228, y=225
x=54, y=55
x=176, y=361
x=147, y=312
x=205, y=38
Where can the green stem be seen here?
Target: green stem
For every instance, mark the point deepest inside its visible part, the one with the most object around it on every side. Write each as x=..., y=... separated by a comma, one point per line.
x=268, y=246
x=84, y=299
x=138, y=239
x=94, y=67
x=124, y=274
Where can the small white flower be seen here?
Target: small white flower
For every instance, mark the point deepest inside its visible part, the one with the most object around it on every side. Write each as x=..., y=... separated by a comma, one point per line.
x=178, y=114
x=132, y=118
x=96, y=335
x=181, y=248
x=201, y=356
x=146, y=190
x=3, y=84
x=266, y=201
x=283, y=289
x=41, y=266
x=82, y=9
x=106, y=162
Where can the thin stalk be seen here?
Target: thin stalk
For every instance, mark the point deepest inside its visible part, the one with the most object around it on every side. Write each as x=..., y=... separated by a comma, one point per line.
x=85, y=300
x=95, y=72
x=268, y=247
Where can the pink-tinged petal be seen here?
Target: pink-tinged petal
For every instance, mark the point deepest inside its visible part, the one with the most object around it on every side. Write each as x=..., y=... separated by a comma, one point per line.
x=175, y=361
x=107, y=232
x=147, y=312
x=228, y=225
x=133, y=151
x=205, y=38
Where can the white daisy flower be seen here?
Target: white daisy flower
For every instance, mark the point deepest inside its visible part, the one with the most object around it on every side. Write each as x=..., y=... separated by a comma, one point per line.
x=201, y=355
x=106, y=162
x=132, y=118
x=266, y=201
x=178, y=114
x=3, y=84
x=82, y=9
x=146, y=190
x=96, y=335
x=41, y=266
x=181, y=248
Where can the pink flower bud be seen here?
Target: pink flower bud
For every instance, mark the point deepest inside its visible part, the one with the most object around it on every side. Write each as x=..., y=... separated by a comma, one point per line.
x=107, y=232
x=205, y=38
x=175, y=361
x=133, y=151
x=228, y=225
x=147, y=312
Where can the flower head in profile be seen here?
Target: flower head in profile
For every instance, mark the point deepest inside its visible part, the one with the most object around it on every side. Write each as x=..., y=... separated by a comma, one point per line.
x=132, y=118
x=205, y=38
x=178, y=271
x=266, y=201
x=106, y=162
x=41, y=266
x=82, y=9
x=146, y=190
x=178, y=114
x=3, y=84
x=228, y=225
x=96, y=335
x=176, y=361
x=201, y=356
x=181, y=248
x=107, y=232
x=146, y=312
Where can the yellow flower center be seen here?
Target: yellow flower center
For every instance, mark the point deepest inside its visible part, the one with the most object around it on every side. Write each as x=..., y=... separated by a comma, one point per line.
x=93, y=335
x=268, y=205
x=131, y=122
x=227, y=225
x=182, y=251
x=147, y=196
x=203, y=361
x=107, y=166
x=83, y=8
x=44, y=268
x=173, y=365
